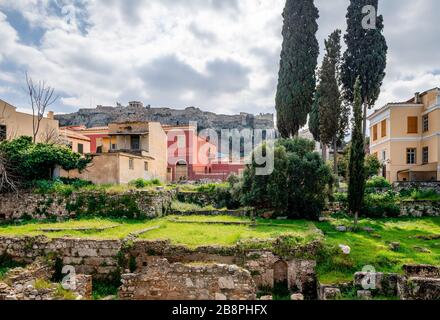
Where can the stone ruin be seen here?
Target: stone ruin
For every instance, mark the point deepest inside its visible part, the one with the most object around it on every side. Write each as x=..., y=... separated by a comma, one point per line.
x=161, y=280
x=141, y=260
x=419, y=282
x=34, y=283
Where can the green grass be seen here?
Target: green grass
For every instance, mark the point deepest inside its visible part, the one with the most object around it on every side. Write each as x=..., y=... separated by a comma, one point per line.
x=373, y=248
x=189, y=207
x=191, y=234
x=333, y=266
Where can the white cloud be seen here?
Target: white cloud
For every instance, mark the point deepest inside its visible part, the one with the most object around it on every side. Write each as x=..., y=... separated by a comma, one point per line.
x=220, y=55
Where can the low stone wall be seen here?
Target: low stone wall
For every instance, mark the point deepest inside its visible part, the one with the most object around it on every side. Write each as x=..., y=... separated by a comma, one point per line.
x=132, y=204
x=419, y=282
x=201, y=198
x=22, y=284
x=245, y=212
x=91, y=257
x=408, y=185
x=107, y=258
x=161, y=280
x=415, y=208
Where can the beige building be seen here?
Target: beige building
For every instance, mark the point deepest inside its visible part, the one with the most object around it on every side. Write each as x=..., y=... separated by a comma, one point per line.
x=14, y=124
x=131, y=150
x=75, y=140
x=405, y=137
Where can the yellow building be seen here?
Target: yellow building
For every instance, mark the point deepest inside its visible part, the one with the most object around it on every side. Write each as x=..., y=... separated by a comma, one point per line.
x=405, y=137
x=132, y=150
x=14, y=124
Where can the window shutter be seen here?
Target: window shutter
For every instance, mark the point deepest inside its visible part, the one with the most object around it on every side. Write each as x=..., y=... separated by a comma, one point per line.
x=413, y=125
x=384, y=128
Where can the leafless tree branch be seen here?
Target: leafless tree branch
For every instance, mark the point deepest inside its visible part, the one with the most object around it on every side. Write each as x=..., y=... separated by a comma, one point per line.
x=41, y=96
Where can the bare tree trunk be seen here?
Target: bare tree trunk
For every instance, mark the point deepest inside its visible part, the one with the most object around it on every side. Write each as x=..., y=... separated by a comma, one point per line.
x=356, y=220
x=335, y=157
x=324, y=151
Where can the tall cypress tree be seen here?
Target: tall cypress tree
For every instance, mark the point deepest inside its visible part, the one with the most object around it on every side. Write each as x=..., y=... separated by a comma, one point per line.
x=330, y=96
x=299, y=57
x=356, y=167
x=314, y=123
x=314, y=117
x=365, y=56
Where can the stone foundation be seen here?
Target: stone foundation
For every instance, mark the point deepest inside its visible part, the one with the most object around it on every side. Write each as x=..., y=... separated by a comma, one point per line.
x=133, y=204
x=33, y=283
x=420, y=208
x=161, y=280
x=107, y=258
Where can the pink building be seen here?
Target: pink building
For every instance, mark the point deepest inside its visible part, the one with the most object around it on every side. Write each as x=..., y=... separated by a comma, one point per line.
x=191, y=157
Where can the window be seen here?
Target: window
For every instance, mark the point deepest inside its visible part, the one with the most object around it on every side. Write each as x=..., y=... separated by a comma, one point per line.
x=383, y=128
x=375, y=132
x=426, y=123
x=413, y=125
x=99, y=149
x=2, y=132
x=131, y=164
x=135, y=143
x=114, y=146
x=181, y=142
x=425, y=155
x=411, y=156
x=384, y=155
x=80, y=148
x=145, y=166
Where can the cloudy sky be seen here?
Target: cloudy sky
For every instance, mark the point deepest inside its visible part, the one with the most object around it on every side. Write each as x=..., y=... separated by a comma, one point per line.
x=219, y=55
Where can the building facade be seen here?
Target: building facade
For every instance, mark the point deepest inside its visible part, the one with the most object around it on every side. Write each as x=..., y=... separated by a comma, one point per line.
x=131, y=150
x=194, y=158
x=14, y=124
x=76, y=141
x=95, y=135
x=405, y=137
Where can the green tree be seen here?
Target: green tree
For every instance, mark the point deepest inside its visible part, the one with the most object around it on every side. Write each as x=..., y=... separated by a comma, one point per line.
x=299, y=56
x=330, y=107
x=289, y=190
x=356, y=166
x=372, y=166
x=365, y=56
x=32, y=161
x=314, y=117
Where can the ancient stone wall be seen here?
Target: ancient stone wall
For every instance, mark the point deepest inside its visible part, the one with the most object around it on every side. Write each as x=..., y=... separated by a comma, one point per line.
x=91, y=257
x=420, y=208
x=409, y=185
x=105, y=258
x=161, y=280
x=132, y=204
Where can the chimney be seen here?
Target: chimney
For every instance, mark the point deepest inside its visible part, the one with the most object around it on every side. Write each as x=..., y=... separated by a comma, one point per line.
x=50, y=115
x=417, y=97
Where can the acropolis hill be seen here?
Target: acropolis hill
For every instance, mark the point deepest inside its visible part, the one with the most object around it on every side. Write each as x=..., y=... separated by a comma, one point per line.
x=135, y=111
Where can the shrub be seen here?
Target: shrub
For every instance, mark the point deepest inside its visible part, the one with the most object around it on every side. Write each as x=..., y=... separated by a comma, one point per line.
x=60, y=186
x=377, y=182
x=298, y=185
x=381, y=205
x=32, y=161
x=142, y=183
x=372, y=166
x=428, y=194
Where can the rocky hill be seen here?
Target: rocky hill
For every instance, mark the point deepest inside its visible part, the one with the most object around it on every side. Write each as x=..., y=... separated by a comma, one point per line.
x=103, y=115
